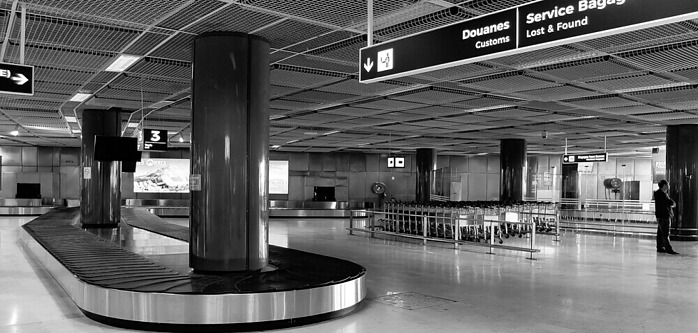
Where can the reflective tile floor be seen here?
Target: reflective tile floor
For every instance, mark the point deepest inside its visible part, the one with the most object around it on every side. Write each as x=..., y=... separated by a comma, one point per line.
x=585, y=283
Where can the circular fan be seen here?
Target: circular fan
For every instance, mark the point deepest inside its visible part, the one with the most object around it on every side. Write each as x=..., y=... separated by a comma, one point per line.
x=378, y=188
x=612, y=183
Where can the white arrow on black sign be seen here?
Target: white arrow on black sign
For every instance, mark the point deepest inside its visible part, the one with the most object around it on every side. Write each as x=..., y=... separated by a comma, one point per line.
x=20, y=79
x=368, y=65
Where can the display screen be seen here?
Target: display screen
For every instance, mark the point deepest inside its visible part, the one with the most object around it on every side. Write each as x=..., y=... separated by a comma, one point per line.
x=161, y=175
x=278, y=177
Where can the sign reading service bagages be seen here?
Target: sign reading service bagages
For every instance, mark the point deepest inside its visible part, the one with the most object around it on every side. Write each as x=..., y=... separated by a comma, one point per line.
x=529, y=27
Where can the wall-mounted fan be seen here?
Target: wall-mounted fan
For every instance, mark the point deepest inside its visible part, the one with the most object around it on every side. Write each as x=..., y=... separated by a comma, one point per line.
x=378, y=188
x=612, y=185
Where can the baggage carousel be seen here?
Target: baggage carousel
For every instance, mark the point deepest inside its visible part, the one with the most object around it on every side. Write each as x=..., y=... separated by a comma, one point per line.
x=137, y=276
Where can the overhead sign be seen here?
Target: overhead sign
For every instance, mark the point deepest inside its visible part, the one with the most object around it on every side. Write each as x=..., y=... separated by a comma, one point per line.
x=16, y=79
x=435, y=48
x=585, y=158
x=154, y=139
x=396, y=162
x=520, y=29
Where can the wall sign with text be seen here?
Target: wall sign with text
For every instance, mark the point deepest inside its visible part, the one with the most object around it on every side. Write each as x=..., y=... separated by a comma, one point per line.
x=585, y=158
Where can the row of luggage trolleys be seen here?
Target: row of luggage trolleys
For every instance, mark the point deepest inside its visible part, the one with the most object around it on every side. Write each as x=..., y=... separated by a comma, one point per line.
x=511, y=228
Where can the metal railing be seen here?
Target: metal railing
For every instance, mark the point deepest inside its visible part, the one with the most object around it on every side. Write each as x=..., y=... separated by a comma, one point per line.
x=447, y=225
x=623, y=217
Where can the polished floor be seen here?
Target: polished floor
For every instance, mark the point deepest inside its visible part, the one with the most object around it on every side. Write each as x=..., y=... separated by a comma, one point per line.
x=585, y=283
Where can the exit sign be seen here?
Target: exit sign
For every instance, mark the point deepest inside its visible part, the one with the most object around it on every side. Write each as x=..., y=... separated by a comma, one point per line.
x=16, y=79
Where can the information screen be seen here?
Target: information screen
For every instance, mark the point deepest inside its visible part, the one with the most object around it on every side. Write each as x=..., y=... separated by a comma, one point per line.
x=161, y=175
x=278, y=177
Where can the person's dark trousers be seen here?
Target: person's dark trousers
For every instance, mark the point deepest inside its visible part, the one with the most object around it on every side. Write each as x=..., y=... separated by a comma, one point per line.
x=663, y=235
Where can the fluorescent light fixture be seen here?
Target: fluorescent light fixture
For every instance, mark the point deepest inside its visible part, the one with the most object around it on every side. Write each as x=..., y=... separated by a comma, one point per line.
x=15, y=131
x=80, y=97
x=292, y=141
x=330, y=132
x=123, y=62
x=181, y=139
x=71, y=119
x=76, y=131
x=489, y=108
x=45, y=128
x=275, y=146
x=310, y=133
x=132, y=125
x=160, y=104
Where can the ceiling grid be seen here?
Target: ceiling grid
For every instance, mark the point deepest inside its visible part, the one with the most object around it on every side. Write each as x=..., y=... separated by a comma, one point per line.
x=627, y=86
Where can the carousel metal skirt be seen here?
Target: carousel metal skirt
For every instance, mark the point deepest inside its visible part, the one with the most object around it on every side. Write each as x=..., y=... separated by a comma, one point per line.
x=137, y=276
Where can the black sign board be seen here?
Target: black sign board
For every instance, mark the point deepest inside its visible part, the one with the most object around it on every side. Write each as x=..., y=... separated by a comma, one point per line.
x=154, y=139
x=443, y=47
x=521, y=29
x=582, y=158
x=550, y=21
x=16, y=79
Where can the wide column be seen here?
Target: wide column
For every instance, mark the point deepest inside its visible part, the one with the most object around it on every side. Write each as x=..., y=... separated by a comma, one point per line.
x=100, y=197
x=682, y=175
x=512, y=167
x=230, y=144
x=426, y=164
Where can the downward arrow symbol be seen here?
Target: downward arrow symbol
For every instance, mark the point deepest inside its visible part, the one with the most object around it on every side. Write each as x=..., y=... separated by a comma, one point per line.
x=20, y=79
x=368, y=65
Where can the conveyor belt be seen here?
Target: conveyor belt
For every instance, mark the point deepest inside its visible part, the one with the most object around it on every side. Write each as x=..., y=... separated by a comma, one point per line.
x=102, y=263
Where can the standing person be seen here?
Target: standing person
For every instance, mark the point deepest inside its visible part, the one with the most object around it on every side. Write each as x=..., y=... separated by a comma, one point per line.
x=663, y=210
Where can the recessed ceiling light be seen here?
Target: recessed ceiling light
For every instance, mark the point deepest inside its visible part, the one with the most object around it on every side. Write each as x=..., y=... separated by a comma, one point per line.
x=71, y=119
x=123, y=62
x=132, y=125
x=80, y=97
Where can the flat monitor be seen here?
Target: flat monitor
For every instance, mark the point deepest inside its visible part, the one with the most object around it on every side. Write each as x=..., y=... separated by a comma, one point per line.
x=324, y=193
x=28, y=191
x=116, y=148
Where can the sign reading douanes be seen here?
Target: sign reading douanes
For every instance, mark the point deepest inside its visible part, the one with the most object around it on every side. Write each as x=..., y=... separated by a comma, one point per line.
x=584, y=158
x=521, y=29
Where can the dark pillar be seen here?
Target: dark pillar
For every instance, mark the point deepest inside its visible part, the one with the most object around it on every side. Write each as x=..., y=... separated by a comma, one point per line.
x=512, y=176
x=230, y=145
x=100, y=198
x=682, y=175
x=426, y=164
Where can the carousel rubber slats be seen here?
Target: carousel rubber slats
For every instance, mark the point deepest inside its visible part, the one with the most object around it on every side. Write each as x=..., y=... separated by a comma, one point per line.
x=99, y=262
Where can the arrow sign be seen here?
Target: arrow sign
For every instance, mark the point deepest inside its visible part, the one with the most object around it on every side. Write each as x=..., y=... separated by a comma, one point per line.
x=368, y=65
x=20, y=79
x=16, y=79
x=583, y=158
